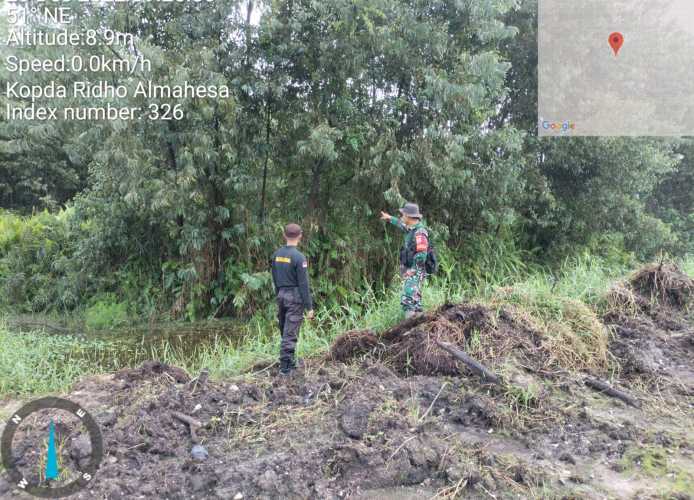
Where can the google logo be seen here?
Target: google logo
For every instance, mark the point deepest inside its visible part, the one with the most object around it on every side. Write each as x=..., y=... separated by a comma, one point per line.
x=565, y=126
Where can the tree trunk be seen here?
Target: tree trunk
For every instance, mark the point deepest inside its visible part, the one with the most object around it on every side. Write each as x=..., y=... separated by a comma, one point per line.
x=314, y=205
x=249, y=13
x=267, y=159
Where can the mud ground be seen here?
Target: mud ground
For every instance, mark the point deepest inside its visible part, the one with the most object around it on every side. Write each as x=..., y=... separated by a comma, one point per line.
x=388, y=416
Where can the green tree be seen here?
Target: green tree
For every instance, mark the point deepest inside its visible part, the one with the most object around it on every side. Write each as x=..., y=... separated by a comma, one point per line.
x=581, y=191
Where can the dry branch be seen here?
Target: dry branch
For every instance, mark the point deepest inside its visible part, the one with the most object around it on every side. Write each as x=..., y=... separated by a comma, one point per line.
x=199, y=380
x=482, y=371
x=611, y=391
x=192, y=423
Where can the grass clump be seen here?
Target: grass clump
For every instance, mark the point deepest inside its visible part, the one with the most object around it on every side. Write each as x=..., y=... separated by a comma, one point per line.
x=37, y=363
x=571, y=331
x=651, y=287
x=562, y=307
x=657, y=462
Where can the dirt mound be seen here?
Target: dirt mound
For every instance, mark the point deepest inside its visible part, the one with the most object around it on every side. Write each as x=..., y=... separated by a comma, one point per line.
x=413, y=347
x=150, y=370
x=363, y=430
x=653, y=336
x=664, y=282
x=352, y=344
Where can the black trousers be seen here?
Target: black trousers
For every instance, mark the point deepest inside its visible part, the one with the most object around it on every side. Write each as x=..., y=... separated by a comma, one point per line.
x=290, y=315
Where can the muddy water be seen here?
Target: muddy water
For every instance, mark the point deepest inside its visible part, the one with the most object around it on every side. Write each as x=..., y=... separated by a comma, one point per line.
x=129, y=346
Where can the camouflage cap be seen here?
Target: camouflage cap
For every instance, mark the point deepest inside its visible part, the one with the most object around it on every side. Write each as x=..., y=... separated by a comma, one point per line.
x=411, y=210
x=292, y=231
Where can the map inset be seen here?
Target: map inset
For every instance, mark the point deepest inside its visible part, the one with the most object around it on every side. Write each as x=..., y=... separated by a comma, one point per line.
x=592, y=83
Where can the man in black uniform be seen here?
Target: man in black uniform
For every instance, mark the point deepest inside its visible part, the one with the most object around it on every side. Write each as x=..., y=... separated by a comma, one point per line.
x=290, y=276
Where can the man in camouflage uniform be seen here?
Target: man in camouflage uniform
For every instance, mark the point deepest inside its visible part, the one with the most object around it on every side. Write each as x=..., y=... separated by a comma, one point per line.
x=413, y=256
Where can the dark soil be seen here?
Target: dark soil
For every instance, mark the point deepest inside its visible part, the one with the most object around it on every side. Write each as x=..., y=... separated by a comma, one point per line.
x=392, y=415
x=71, y=446
x=654, y=328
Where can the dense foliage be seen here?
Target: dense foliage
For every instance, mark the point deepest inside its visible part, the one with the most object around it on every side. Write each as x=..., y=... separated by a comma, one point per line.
x=339, y=108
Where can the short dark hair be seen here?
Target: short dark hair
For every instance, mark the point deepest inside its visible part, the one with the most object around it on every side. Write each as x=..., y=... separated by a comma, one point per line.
x=292, y=231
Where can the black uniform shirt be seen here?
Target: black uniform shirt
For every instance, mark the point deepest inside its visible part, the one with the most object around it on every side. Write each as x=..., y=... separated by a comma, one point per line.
x=290, y=270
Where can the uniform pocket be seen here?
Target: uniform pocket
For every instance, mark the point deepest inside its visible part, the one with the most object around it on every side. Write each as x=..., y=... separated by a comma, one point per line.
x=296, y=295
x=295, y=318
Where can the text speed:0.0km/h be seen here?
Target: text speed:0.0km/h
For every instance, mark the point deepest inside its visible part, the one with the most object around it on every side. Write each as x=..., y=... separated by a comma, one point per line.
x=77, y=64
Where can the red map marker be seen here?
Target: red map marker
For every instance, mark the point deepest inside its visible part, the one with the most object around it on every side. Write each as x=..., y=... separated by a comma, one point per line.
x=616, y=41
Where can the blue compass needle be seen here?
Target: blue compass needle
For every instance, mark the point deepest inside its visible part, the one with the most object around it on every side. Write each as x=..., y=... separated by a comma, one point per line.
x=52, y=456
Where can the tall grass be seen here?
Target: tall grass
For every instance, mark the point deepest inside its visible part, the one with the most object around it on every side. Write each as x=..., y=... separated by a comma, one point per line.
x=687, y=264
x=563, y=307
x=584, y=278
x=581, y=280
x=38, y=363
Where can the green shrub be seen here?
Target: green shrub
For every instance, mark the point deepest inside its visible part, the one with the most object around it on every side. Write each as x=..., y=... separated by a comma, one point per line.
x=106, y=313
x=37, y=272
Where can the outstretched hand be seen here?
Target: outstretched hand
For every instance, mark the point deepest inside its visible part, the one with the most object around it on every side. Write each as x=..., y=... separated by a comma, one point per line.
x=310, y=314
x=385, y=216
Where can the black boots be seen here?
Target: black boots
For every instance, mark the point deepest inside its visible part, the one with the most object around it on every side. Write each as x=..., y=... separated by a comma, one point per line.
x=286, y=367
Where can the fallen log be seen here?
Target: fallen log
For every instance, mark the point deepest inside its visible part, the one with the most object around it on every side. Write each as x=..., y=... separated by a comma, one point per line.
x=607, y=389
x=478, y=368
x=192, y=423
x=36, y=324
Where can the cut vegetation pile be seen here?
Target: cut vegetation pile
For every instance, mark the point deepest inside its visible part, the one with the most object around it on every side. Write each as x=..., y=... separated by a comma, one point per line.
x=664, y=283
x=414, y=346
x=651, y=318
x=503, y=338
x=531, y=395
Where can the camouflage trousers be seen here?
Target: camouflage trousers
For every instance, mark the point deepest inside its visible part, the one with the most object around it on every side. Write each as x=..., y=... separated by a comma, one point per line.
x=411, y=298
